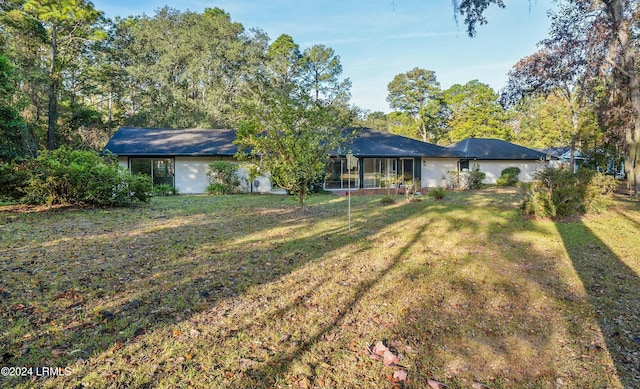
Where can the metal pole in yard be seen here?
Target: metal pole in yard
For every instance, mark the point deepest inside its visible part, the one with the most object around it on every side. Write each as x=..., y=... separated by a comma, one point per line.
x=349, y=167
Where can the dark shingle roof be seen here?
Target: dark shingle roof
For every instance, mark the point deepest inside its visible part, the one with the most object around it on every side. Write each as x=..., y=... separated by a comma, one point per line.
x=554, y=151
x=163, y=141
x=374, y=143
x=495, y=149
x=129, y=141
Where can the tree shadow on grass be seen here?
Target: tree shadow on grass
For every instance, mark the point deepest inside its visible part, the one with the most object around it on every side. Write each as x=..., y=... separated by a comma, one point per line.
x=88, y=285
x=503, y=305
x=613, y=290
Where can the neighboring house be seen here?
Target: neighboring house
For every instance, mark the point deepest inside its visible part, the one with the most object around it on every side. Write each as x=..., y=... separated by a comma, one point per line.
x=178, y=157
x=374, y=159
x=494, y=155
x=382, y=159
x=562, y=157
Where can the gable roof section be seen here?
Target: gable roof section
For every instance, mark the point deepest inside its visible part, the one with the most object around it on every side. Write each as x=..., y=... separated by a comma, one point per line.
x=495, y=149
x=128, y=141
x=561, y=152
x=554, y=151
x=374, y=143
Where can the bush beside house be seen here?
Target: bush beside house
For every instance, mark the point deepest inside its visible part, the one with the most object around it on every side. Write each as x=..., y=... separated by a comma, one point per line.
x=67, y=176
x=466, y=179
x=223, y=178
x=509, y=176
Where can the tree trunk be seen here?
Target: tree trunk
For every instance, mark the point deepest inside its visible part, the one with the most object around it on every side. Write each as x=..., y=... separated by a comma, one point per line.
x=574, y=135
x=53, y=99
x=628, y=65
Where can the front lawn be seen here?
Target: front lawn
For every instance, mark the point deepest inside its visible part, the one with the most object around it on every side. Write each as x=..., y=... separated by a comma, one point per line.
x=250, y=292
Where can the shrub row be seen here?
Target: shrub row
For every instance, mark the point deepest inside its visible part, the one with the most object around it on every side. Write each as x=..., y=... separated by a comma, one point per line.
x=65, y=176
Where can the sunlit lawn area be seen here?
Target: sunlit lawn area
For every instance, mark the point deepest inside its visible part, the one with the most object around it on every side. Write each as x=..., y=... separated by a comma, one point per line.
x=251, y=292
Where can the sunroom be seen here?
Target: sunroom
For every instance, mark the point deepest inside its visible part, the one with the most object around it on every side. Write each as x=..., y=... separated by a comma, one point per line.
x=377, y=160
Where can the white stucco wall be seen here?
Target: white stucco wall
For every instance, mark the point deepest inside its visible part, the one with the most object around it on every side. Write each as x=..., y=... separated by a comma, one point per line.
x=434, y=171
x=493, y=169
x=191, y=176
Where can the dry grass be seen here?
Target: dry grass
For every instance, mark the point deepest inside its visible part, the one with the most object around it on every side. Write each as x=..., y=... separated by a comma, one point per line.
x=248, y=291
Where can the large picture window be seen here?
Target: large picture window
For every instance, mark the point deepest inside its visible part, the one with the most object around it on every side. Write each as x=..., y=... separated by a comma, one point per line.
x=161, y=170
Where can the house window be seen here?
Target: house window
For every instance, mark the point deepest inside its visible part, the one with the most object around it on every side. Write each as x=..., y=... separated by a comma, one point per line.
x=161, y=170
x=340, y=177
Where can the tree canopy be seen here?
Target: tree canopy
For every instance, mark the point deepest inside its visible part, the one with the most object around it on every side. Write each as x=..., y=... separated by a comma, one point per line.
x=475, y=112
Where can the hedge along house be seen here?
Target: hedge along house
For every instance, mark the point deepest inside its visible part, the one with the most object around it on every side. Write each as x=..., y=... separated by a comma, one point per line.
x=494, y=155
x=381, y=159
x=178, y=157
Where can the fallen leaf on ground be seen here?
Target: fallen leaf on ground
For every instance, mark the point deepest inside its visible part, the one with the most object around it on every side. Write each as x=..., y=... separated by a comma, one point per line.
x=399, y=375
x=436, y=384
x=380, y=348
x=390, y=359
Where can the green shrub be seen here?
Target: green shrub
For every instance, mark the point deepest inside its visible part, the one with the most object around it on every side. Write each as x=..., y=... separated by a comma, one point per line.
x=476, y=177
x=165, y=190
x=386, y=200
x=216, y=189
x=560, y=193
x=13, y=180
x=509, y=176
x=437, y=193
x=223, y=178
x=67, y=176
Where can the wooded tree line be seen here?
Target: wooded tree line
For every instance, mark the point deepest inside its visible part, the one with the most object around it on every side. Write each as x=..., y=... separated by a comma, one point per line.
x=69, y=76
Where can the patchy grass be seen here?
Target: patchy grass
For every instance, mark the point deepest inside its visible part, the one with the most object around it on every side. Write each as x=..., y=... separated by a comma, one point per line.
x=249, y=291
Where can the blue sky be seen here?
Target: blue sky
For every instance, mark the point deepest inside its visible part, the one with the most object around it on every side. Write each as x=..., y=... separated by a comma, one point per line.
x=377, y=39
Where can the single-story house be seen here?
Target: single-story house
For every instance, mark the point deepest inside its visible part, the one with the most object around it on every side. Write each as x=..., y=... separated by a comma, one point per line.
x=494, y=155
x=373, y=159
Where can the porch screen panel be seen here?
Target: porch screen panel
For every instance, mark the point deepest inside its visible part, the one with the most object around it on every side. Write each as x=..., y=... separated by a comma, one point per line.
x=388, y=171
x=334, y=174
x=407, y=169
x=351, y=177
x=372, y=172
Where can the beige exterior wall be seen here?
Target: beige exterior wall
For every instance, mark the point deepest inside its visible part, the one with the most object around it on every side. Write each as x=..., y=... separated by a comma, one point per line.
x=493, y=169
x=434, y=171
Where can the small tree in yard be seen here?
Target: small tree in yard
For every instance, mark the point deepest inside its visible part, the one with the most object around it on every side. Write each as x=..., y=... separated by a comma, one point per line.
x=223, y=178
x=292, y=137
